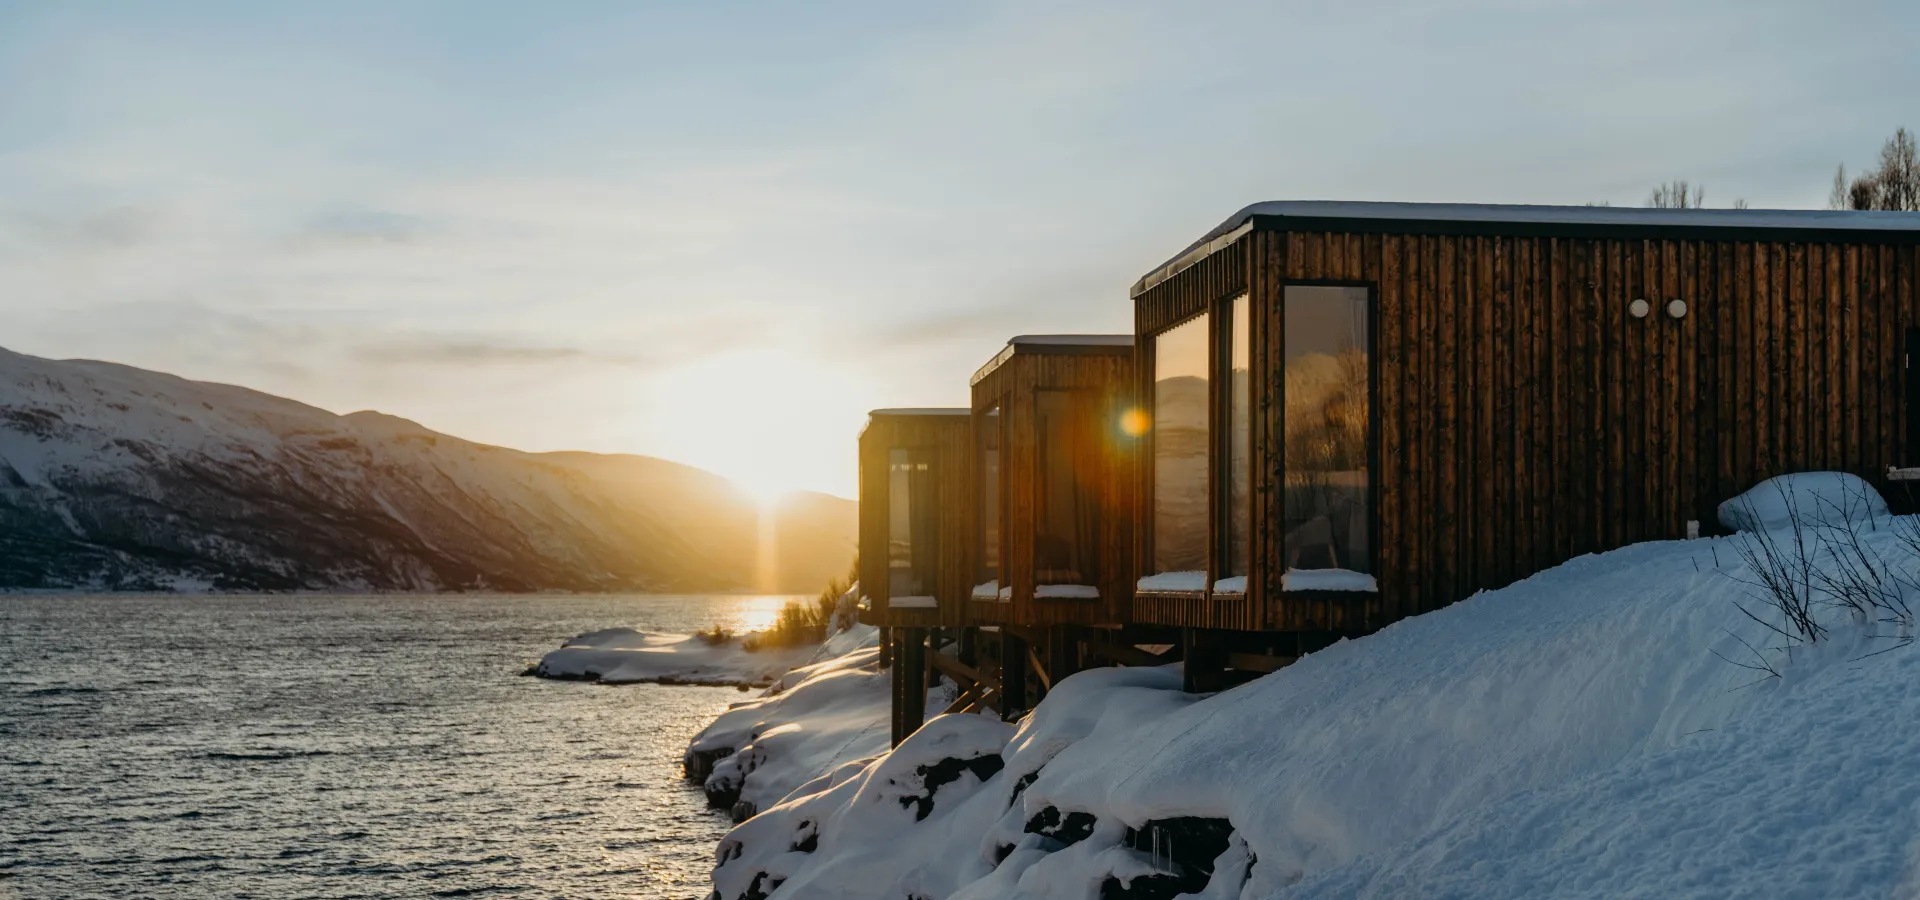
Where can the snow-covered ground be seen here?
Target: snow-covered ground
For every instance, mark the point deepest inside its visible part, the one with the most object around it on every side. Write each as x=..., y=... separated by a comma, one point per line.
x=626, y=656
x=830, y=716
x=1606, y=728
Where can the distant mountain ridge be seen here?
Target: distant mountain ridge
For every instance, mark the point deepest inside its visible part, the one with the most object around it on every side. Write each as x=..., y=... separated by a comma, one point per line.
x=117, y=478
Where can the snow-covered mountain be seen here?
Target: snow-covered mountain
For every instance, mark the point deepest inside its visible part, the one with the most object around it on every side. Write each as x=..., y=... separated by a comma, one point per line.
x=113, y=477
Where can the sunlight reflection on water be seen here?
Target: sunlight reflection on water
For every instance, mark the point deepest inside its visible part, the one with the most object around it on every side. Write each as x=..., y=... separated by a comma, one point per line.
x=310, y=746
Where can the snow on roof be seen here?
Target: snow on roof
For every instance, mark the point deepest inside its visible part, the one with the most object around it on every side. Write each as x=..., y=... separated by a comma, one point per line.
x=922, y=411
x=1055, y=343
x=1572, y=217
x=1072, y=340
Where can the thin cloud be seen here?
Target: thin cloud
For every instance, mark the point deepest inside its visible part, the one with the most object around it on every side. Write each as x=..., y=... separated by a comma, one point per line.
x=435, y=351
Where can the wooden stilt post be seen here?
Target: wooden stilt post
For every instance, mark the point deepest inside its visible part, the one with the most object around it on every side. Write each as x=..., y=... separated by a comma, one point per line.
x=910, y=675
x=1013, y=676
x=1204, y=661
x=894, y=685
x=886, y=648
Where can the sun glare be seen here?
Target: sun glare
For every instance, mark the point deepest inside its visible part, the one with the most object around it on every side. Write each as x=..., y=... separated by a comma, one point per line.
x=771, y=421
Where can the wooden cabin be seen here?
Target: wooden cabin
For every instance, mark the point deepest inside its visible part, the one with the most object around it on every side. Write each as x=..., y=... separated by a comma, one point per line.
x=1054, y=463
x=1364, y=411
x=916, y=539
x=916, y=516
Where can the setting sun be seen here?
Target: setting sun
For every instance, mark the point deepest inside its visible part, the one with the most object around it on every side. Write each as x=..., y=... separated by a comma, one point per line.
x=772, y=421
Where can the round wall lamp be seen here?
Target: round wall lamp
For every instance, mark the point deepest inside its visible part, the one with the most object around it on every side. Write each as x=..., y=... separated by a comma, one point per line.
x=1676, y=308
x=1639, y=308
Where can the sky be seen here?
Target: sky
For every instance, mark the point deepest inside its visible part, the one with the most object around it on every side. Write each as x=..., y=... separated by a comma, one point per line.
x=720, y=233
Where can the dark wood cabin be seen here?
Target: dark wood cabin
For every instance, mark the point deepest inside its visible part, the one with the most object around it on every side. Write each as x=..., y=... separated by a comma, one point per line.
x=916, y=516
x=1364, y=411
x=1053, y=463
x=1054, y=466
x=916, y=539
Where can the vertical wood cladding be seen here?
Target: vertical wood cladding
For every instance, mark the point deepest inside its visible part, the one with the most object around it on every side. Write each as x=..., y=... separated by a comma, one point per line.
x=1107, y=380
x=1525, y=417
x=948, y=439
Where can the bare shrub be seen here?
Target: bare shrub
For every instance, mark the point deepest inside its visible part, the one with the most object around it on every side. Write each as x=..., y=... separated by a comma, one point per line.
x=1802, y=570
x=1893, y=185
x=1677, y=194
x=715, y=636
x=802, y=622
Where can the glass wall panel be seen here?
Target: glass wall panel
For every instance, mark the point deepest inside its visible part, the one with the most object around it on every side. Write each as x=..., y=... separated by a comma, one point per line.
x=1239, y=438
x=1327, y=424
x=1180, y=423
x=1065, y=541
x=912, y=524
x=989, y=438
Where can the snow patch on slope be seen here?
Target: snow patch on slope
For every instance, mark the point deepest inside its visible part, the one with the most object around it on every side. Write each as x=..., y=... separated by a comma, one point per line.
x=1575, y=734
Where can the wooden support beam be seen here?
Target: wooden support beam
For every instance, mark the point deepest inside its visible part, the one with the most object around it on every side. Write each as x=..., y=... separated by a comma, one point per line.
x=961, y=673
x=988, y=698
x=1038, y=669
x=1013, y=675
x=910, y=676
x=1126, y=655
x=968, y=699
x=1256, y=662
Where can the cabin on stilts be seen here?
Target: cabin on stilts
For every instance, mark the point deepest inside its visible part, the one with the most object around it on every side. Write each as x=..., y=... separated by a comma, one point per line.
x=1054, y=464
x=1365, y=411
x=916, y=541
x=1332, y=416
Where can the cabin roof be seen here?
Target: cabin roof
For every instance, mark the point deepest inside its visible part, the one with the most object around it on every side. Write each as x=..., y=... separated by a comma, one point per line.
x=1544, y=221
x=921, y=411
x=1064, y=344
x=913, y=413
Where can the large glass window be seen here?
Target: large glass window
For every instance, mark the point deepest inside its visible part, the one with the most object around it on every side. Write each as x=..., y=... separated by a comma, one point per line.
x=912, y=524
x=1328, y=501
x=1065, y=540
x=1180, y=422
x=1239, y=438
x=988, y=438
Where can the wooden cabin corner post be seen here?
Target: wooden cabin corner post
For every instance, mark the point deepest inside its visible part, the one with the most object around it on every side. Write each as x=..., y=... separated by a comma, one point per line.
x=1013, y=676
x=910, y=681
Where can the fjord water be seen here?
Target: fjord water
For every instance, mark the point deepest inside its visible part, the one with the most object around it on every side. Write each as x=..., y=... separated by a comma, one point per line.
x=344, y=746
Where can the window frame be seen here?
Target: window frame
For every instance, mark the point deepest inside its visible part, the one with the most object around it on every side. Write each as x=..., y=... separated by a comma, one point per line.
x=1037, y=484
x=1279, y=391
x=1220, y=476
x=925, y=456
x=1150, y=363
x=995, y=411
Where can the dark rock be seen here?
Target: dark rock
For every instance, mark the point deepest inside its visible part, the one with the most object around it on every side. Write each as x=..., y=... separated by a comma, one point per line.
x=1068, y=829
x=945, y=772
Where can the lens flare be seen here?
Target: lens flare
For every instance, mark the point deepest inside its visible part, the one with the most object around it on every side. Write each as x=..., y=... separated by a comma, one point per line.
x=1134, y=422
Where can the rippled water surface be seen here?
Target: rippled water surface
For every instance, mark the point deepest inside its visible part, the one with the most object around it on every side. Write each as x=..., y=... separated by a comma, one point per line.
x=283, y=747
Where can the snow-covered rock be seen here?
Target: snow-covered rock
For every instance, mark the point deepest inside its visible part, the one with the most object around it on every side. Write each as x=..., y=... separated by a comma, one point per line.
x=1587, y=732
x=1811, y=498
x=113, y=477
x=626, y=656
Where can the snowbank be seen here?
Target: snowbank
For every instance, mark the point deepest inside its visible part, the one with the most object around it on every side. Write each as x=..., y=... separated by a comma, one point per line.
x=1812, y=498
x=626, y=656
x=814, y=720
x=1586, y=732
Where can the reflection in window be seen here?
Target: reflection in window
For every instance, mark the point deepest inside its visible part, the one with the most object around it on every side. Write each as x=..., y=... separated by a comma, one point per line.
x=1327, y=416
x=912, y=535
x=988, y=436
x=1239, y=439
x=1180, y=448
x=1065, y=541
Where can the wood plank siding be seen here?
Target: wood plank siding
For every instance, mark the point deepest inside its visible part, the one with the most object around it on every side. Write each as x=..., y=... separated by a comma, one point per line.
x=1523, y=416
x=1101, y=377
x=943, y=438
